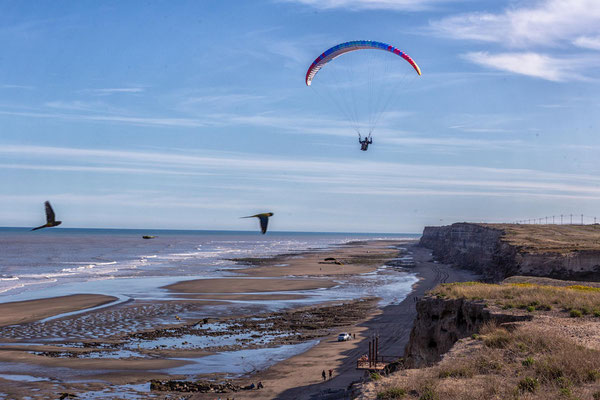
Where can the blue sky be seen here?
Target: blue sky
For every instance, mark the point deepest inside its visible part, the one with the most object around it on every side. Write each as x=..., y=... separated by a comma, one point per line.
x=191, y=114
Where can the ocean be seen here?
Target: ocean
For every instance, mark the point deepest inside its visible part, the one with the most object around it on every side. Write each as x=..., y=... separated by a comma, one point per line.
x=60, y=261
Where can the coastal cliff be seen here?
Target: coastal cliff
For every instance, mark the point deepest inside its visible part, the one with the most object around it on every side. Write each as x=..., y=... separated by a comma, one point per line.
x=440, y=323
x=497, y=251
x=543, y=343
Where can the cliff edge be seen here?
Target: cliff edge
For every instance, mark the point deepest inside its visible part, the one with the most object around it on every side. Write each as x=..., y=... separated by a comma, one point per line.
x=515, y=340
x=497, y=251
x=441, y=322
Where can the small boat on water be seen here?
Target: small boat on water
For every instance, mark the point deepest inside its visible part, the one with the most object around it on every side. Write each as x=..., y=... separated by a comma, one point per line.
x=148, y=237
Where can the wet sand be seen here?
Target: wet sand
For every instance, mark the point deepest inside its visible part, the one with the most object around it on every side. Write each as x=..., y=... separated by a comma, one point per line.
x=393, y=325
x=300, y=377
x=21, y=312
x=236, y=285
x=352, y=259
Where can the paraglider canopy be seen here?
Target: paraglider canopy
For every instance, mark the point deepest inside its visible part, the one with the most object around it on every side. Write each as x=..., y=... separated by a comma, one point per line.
x=363, y=84
x=347, y=47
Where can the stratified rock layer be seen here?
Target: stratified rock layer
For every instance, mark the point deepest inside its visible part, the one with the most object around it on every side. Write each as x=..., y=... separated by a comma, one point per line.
x=492, y=251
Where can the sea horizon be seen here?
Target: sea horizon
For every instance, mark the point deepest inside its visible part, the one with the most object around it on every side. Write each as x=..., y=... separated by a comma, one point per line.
x=216, y=231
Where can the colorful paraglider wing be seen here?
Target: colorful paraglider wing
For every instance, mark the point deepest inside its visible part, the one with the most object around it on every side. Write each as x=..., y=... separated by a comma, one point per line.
x=342, y=48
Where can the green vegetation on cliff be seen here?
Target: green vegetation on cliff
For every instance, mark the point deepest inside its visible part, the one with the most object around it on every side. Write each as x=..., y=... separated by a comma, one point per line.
x=552, y=356
x=575, y=299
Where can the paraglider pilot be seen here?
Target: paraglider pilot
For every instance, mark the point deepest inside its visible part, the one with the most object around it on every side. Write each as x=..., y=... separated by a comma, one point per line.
x=364, y=143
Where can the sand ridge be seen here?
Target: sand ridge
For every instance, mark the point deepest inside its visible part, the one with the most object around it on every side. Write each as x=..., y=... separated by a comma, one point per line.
x=21, y=312
x=244, y=285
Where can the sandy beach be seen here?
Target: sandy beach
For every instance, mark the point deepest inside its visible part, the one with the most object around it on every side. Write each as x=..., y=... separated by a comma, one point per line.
x=235, y=285
x=22, y=312
x=300, y=377
x=120, y=352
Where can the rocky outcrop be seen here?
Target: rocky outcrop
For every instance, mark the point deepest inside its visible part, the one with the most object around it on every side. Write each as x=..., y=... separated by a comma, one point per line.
x=199, y=386
x=484, y=249
x=441, y=322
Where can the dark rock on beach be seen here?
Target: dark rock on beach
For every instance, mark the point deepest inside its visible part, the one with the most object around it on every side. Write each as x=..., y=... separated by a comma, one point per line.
x=197, y=386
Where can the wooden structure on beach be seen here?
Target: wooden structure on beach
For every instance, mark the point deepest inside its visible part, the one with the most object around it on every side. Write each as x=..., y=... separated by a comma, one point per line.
x=374, y=360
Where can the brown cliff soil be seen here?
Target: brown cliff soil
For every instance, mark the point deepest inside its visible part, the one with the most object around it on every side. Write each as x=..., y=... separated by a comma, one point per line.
x=553, y=356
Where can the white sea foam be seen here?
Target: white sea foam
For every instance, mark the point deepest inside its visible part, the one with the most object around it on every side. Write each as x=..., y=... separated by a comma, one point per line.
x=6, y=288
x=175, y=255
x=24, y=283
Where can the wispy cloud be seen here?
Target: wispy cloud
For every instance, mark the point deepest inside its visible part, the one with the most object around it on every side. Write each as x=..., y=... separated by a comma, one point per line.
x=12, y=86
x=192, y=103
x=588, y=42
x=101, y=169
x=133, y=199
x=529, y=63
x=532, y=27
x=482, y=122
x=325, y=176
x=109, y=91
x=78, y=105
x=141, y=121
x=449, y=142
x=396, y=5
x=540, y=23
x=279, y=123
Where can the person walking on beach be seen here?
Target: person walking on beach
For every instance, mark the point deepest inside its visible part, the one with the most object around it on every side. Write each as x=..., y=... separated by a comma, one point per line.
x=323, y=375
x=330, y=373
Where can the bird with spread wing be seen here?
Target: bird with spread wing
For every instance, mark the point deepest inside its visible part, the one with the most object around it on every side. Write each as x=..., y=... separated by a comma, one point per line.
x=264, y=220
x=50, y=218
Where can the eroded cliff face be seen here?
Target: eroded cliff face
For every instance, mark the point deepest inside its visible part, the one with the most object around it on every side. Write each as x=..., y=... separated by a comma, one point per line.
x=441, y=322
x=482, y=249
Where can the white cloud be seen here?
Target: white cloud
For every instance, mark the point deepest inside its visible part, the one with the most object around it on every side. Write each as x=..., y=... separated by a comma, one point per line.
x=11, y=86
x=532, y=27
x=325, y=175
x=108, y=91
x=447, y=142
x=289, y=124
x=545, y=23
x=529, y=63
x=139, y=199
x=588, y=42
x=140, y=121
x=397, y=5
x=100, y=169
x=483, y=122
x=225, y=99
x=78, y=105
x=201, y=103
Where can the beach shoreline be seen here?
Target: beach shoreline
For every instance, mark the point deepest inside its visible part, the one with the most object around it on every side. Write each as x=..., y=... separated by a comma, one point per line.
x=302, y=272
x=299, y=377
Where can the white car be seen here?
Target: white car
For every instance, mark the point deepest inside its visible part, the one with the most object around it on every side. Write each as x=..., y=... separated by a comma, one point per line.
x=342, y=337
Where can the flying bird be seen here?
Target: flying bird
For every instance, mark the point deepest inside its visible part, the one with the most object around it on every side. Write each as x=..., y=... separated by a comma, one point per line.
x=264, y=220
x=50, y=218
